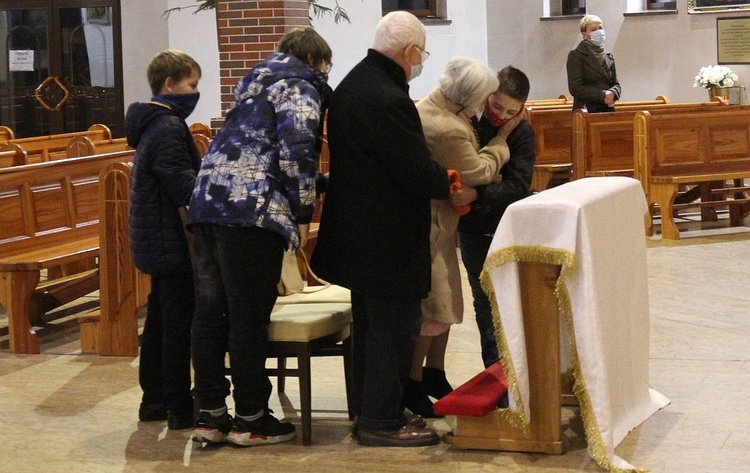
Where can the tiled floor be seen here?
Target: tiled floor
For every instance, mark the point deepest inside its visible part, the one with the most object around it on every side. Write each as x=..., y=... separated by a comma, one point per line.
x=63, y=412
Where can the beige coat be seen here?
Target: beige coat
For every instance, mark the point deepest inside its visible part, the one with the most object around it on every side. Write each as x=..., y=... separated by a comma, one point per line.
x=452, y=142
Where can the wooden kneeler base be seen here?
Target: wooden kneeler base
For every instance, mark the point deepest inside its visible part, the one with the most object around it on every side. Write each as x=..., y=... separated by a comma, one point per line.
x=542, y=330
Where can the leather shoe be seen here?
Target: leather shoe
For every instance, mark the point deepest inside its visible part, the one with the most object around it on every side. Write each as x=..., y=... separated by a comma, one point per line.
x=411, y=419
x=406, y=436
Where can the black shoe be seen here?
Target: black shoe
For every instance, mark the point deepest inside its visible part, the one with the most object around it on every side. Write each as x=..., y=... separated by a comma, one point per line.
x=406, y=436
x=417, y=401
x=180, y=420
x=212, y=429
x=434, y=382
x=152, y=412
x=411, y=419
x=265, y=430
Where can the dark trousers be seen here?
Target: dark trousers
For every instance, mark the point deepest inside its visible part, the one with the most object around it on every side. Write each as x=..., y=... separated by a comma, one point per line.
x=237, y=271
x=384, y=334
x=164, y=370
x=474, y=248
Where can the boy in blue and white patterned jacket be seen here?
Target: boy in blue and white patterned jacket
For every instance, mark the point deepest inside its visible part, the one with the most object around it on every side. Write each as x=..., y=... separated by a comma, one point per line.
x=253, y=198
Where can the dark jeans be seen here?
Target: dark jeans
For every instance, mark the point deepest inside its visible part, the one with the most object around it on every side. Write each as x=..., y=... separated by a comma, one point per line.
x=384, y=334
x=237, y=270
x=164, y=370
x=474, y=248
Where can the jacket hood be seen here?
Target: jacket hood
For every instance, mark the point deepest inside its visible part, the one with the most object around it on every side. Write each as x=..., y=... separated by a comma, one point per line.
x=277, y=67
x=139, y=117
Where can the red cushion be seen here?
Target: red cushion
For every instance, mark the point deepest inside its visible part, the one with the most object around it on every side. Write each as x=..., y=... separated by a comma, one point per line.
x=476, y=397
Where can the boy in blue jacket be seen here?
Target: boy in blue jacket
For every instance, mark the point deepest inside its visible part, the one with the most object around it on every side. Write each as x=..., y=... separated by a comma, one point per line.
x=164, y=170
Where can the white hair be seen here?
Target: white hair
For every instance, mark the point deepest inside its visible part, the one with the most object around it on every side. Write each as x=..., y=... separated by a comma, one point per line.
x=468, y=82
x=396, y=31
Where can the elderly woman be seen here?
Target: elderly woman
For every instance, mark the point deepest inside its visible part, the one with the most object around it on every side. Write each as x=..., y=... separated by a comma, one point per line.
x=446, y=115
x=592, y=78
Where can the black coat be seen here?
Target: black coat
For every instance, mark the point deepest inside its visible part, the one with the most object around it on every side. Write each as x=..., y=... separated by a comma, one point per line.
x=161, y=181
x=493, y=199
x=375, y=225
x=588, y=79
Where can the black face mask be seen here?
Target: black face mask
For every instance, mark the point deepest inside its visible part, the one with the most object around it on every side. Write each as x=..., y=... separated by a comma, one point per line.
x=181, y=104
x=321, y=75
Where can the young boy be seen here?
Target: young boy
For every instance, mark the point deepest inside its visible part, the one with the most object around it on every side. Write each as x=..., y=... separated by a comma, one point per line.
x=164, y=169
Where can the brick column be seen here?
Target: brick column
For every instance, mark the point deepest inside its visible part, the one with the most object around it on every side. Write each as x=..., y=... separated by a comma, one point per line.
x=248, y=32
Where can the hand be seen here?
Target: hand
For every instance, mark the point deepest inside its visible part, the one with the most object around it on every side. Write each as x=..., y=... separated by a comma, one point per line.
x=511, y=125
x=463, y=196
x=497, y=179
x=303, y=230
x=609, y=98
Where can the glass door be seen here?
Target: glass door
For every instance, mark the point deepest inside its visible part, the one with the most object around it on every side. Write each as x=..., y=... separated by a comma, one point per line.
x=60, y=66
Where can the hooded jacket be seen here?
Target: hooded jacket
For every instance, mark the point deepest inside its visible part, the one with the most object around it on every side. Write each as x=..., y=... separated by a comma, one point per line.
x=260, y=170
x=161, y=181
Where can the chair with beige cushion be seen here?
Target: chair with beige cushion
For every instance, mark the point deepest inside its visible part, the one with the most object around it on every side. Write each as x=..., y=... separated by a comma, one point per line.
x=308, y=324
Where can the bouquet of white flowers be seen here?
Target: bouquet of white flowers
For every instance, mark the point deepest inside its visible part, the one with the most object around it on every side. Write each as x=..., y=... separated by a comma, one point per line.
x=715, y=76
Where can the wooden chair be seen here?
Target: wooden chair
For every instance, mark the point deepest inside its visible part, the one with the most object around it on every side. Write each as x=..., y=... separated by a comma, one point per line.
x=302, y=329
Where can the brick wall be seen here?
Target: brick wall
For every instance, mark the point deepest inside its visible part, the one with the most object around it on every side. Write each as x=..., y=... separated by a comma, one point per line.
x=248, y=33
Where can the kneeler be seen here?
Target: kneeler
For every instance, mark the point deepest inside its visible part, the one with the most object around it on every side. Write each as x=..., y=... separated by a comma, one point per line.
x=480, y=424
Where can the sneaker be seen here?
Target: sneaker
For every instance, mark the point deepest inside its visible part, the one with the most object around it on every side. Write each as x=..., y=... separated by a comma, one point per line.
x=265, y=430
x=152, y=412
x=212, y=429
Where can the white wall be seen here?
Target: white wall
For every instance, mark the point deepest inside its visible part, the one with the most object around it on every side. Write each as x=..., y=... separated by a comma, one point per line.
x=654, y=54
x=146, y=32
x=349, y=42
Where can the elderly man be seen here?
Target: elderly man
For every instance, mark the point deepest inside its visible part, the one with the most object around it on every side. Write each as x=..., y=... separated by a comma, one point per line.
x=375, y=226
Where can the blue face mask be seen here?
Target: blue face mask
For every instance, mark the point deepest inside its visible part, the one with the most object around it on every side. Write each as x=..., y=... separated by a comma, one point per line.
x=597, y=37
x=181, y=104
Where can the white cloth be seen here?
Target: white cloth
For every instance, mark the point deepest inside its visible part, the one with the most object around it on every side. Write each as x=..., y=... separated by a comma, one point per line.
x=594, y=229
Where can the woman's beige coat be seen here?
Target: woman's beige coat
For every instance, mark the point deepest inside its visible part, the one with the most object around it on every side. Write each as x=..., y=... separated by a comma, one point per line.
x=452, y=142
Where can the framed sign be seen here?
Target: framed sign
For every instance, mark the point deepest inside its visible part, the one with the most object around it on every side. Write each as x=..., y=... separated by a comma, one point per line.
x=733, y=40
x=717, y=6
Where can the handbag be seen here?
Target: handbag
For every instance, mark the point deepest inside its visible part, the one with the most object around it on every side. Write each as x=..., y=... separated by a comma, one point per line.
x=291, y=280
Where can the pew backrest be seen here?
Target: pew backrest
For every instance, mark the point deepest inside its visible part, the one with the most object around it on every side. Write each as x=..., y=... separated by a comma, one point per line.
x=603, y=142
x=54, y=147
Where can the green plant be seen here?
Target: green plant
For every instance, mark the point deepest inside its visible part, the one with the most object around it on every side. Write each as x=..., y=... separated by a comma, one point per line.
x=337, y=12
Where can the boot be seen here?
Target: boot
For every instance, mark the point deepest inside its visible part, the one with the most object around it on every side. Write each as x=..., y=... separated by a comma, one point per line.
x=416, y=400
x=434, y=382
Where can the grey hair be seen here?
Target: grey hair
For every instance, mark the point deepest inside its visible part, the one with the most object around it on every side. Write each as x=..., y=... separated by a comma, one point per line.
x=468, y=82
x=586, y=21
x=396, y=31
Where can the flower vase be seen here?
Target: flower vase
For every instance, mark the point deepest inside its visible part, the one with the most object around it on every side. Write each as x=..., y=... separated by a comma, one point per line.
x=730, y=95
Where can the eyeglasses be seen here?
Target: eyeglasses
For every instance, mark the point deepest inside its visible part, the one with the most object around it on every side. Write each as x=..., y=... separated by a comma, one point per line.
x=329, y=66
x=424, y=51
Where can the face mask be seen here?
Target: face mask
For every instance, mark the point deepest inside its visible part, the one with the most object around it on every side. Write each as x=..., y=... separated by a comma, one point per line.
x=493, y=117
x=321, y=75
x=417, y=70
x=597, y=37
x=181, y=104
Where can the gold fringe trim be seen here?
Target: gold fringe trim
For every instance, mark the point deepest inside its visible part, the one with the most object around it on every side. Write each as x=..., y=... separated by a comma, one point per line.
x=565, y=259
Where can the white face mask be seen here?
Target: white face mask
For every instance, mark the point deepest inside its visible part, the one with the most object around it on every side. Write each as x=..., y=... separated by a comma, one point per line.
x=597, y=37
x=416, y=70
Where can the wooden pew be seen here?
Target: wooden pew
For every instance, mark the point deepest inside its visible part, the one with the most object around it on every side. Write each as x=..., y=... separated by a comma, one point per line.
x=693, y=147
x=603, y=142
x=49, y=220
x=53, y=147
x=562, y=99
x=11, y=154
x=553, y=126
x=6, y=134
x=113, y=329
x=85, y=146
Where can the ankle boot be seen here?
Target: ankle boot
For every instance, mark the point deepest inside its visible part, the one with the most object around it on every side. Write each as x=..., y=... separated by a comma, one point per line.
x=417, y=401
x=434, y=382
